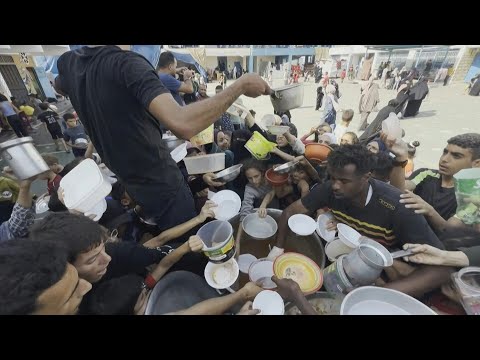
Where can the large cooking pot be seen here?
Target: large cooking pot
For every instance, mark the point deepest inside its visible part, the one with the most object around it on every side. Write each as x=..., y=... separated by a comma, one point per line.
x=310, y=246
x=23, y=158
x=287, y=97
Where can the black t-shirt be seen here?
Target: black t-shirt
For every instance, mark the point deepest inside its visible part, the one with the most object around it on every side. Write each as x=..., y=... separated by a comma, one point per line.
x=429, y=187
x=111, y=90
x=50, y=118
x=383, y=219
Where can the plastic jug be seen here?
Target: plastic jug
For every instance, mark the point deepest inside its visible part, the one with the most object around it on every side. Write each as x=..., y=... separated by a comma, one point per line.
x=391, y=126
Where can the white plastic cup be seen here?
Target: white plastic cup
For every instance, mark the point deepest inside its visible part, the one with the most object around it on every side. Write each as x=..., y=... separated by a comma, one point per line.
x=261, y=272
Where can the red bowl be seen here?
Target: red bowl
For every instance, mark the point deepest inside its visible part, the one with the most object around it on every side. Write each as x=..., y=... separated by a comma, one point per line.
x=317, y=152
x=276, y=179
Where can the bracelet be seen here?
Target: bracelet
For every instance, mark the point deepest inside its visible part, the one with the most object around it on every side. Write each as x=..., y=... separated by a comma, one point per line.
x=150, y=282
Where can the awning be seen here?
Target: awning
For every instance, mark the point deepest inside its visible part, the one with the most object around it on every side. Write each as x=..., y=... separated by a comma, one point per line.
x=401, y=47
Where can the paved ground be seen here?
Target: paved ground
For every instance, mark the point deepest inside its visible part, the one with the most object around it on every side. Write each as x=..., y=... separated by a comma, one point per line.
x=446, y=112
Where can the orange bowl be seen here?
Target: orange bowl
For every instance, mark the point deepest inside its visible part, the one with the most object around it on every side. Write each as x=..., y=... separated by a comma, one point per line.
x=317, y=152
x=276, y=179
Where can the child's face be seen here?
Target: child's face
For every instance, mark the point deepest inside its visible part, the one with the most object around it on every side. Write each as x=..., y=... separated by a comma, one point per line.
x=71, y=123
x=347, y=139
x=298, y=175
x=254, y=177
x=282, y=141
x=223, y=141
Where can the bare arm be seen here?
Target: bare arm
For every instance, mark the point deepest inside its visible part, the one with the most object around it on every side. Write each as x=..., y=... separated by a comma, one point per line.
x=423, y=280
x=400, y=150
x=295, y=208
x=429, y=255
x=181, y=229
x=24, y=196
x=304, y=188
x=90, y=150
x=283, y=155
x=194, y=244
x=187, y=121
x=309, y=168
x=267, y=199
x=186, y=87
x=218, y=306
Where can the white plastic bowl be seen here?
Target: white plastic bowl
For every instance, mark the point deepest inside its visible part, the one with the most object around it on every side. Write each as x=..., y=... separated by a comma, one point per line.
x=372, y=300
x=302, y=225
x=228, y=204
x=244, y=262
x=322, y=227
x=277, y=129
x=98, y=210
x=204, y=163
x=269, y=303
x=335, y=248
x=84, y=187
x=179, y=153
x=225, y=273
x=348, y=236
x=259, y=228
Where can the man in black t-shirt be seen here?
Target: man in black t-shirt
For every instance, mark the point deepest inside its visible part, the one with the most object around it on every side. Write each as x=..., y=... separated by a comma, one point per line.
x=122, y=103
x=50, y=119
x=373, y=209
x=431, y=192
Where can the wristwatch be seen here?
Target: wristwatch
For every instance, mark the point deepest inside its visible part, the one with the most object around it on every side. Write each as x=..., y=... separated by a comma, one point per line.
x=400, y=163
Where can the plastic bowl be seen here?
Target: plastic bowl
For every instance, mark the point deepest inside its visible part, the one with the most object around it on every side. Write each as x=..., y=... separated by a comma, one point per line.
x=228, y=204
x=285, y=168
x=276, y=179
x=259, y=228
x=179, y=153
x=260, y=272
x=335, y=249
x=229, y=174
x=269, y=303
x=322, y=227
x=317, y=152
x=302, y=225
x=301, y=269
x=348, y=236
x=278, y=130
x=222, y=276
x=204, y=163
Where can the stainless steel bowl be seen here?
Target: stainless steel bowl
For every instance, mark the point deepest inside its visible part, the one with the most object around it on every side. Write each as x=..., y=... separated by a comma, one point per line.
x=229, y=174
x=172, y=142
x=285, y=168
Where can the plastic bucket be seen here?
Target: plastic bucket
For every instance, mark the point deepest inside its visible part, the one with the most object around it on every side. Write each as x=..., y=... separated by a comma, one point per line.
x=335, y=280
x=203, y=137
x=258, y=146
x=218, y=238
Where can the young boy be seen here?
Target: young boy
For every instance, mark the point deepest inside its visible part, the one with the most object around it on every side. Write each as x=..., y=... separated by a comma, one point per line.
x=75, y=135
x=53, y=179
x=50, y=119
x=342, y=128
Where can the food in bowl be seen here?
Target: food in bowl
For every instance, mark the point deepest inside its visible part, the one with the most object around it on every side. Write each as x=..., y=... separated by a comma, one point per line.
x=322, y=305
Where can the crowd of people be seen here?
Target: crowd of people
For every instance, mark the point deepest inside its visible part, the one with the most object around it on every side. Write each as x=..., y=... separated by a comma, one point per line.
x=66, y=263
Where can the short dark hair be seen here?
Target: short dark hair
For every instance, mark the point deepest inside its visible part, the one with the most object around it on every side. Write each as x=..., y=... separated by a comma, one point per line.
x=43, y=106
x=3, y=97
x=357, y=155
x=118, y=191
x=166, y=58
x=470, y=141
x=252, y=163
x=77, y=232
x=68, y=116
x=27, y=269
x=117, y=296
x=50, y=159
x=219, y=87
x=383, y=165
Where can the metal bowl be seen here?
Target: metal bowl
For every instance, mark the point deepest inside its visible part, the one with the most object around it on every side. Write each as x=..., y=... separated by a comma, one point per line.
x=172, y=142
x=285, y=168
x=229, y=174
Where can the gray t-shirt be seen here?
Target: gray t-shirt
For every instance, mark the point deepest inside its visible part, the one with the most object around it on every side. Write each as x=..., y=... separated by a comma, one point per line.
x=75, y=133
